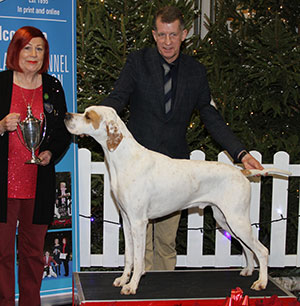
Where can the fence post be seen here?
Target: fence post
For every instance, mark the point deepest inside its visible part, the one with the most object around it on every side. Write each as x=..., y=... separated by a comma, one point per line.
x=255, y=197
x=223, y=244
x=279, y=210
x=110, y=228
x=195, y=237
x=84, y=181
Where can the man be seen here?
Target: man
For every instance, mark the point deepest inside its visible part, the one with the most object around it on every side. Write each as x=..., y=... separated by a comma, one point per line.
x=164, y=87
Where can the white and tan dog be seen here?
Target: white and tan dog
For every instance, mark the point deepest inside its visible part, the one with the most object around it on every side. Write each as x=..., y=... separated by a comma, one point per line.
x=148, y=185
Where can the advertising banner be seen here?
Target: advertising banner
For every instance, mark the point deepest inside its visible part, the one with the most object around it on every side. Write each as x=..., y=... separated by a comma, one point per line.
x=57, y=20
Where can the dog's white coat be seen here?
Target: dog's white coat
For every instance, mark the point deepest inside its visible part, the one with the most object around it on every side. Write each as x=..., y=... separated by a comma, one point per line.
x=148, y=185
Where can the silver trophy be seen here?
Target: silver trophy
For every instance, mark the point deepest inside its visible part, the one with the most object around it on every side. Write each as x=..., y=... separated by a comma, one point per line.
x=31, y=129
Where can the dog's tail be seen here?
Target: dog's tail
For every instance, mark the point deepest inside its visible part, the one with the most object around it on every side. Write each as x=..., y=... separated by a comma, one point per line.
x=265, y=172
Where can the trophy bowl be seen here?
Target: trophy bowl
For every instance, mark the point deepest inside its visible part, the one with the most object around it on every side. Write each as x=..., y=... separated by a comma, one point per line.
x=32, y=136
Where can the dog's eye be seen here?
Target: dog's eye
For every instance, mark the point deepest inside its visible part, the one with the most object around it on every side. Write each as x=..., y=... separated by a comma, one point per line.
x=87, y=117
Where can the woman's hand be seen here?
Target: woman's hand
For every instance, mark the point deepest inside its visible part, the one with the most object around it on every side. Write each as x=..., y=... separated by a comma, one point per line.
x=9, y=123
x=45, y=157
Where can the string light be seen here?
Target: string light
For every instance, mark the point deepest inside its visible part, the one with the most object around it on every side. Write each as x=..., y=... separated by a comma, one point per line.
x=93, y=219
x=279, y=211
x=227, y=235
x=256, y=224
x=201, y=229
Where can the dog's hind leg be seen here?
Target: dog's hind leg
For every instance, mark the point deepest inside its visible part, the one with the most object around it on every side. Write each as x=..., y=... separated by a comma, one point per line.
x=138, y=230
x=248, y=270
x=249, y=255
x=241, y=227
x=122, y=280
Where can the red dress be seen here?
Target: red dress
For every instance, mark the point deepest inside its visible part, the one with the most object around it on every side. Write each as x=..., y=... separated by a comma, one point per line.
x=22, y=177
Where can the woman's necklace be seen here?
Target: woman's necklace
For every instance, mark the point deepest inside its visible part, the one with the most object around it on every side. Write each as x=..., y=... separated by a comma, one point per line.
x=28, y=103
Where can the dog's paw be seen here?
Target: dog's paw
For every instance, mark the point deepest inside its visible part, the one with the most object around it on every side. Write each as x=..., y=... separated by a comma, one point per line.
x=120, y=281
x=259, y=285
x=246, y=272
x=128, y=289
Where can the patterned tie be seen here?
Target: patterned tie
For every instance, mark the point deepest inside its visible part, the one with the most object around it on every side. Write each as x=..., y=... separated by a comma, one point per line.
x=167, y=87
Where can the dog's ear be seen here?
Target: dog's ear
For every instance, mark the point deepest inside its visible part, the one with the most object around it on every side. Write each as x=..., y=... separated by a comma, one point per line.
x=114, y=136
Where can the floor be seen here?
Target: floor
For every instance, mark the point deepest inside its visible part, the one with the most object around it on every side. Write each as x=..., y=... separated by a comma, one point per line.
x=65, y=300
x=61, y=300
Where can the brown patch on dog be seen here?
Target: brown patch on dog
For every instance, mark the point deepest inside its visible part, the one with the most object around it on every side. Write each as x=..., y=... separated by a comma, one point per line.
x=114, y=136
x=92, y=116
x=246, y=172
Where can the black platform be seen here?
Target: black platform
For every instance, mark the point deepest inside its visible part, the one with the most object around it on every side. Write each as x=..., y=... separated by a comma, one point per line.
x=171, y=285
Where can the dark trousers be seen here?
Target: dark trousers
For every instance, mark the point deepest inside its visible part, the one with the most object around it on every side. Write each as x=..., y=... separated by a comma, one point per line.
x=57, y=268
x=66, y=266
x=30, y=246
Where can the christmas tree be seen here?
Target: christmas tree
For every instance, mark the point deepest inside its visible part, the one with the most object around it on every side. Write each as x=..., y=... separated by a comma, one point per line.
x=252, y=55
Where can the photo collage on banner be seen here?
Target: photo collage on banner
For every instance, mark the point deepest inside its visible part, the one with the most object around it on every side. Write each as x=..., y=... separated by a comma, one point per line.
x=57, y=20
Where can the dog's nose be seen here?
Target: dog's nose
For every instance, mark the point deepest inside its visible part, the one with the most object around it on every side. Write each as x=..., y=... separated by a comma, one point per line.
x=68, y=116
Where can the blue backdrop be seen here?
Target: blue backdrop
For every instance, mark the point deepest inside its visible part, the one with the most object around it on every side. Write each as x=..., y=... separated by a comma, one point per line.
x=57, y=20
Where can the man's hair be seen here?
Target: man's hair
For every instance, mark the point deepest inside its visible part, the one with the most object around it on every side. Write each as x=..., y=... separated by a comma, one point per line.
x=20, y=39
x=169, y=14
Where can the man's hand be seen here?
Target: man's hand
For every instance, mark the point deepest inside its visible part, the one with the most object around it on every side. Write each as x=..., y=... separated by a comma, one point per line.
x=250, y=162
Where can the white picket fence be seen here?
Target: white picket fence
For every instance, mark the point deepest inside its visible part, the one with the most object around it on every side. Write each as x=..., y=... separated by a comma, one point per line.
x=194, y=256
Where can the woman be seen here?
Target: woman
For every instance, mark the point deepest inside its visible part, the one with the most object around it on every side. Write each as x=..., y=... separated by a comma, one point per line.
x=27, y=191
x=65, y=255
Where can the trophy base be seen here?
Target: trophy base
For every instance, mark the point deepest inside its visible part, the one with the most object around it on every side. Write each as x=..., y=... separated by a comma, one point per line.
x=34, y=160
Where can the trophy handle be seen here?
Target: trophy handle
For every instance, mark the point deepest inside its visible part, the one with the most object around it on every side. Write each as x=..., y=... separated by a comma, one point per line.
x=20, y=138
x=44, y=129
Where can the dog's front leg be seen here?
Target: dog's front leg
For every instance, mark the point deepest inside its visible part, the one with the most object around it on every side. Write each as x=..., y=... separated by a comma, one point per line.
x=138, y=229
x=122, y=280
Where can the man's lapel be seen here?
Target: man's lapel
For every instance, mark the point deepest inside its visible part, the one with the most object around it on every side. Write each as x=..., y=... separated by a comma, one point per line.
x=182, y=78
x=156, y=76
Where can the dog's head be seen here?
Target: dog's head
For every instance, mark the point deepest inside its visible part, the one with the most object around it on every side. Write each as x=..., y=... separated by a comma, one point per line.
x=100, y=122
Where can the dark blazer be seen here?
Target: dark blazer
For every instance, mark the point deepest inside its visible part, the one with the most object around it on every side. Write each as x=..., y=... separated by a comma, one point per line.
x=141, y=85
x=57, y=140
